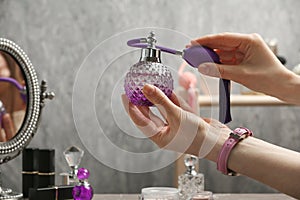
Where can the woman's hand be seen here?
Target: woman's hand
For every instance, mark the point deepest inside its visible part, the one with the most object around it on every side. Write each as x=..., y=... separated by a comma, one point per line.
x=180, y=130
x=7, y=130
x=247, y=59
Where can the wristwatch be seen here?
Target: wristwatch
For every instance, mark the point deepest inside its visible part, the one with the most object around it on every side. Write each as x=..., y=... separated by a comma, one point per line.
x=235, y=137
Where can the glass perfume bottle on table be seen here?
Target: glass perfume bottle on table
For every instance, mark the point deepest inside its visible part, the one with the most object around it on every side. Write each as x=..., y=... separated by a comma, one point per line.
x=83, y=190
x=73, y=157
x=190, y=182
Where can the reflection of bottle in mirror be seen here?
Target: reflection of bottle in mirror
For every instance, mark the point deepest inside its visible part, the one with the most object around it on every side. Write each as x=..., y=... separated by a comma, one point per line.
x=191, y=181
x=83, y=190
x=2, y=112
x=2, y=132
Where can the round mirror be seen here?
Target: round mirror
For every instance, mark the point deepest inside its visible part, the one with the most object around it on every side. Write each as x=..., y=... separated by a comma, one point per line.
x=13, y=97
x=21, y=100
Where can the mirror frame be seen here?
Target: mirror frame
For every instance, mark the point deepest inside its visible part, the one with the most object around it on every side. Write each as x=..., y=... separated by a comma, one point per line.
x=13, y=147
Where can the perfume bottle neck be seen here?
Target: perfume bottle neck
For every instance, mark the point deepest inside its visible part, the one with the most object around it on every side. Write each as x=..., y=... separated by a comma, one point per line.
x=150, y=54
x=190, y=170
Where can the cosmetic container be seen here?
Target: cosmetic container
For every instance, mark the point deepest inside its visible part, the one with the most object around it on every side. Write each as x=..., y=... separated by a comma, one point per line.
x=29, y=170
x=46, y=172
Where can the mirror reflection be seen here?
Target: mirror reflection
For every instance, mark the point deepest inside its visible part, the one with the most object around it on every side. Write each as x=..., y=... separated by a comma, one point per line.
x=13, y=97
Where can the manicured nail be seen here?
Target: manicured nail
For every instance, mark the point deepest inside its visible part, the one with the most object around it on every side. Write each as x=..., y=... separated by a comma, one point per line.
x=204, y=69
x=124, y=99
x=194, y=42
x=148, y=89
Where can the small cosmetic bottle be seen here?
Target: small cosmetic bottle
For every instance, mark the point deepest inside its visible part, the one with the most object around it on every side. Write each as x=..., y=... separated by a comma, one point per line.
x=83, y=190
x=46, y=172
x=191, y=181
x=29, y=170
x=73, y=157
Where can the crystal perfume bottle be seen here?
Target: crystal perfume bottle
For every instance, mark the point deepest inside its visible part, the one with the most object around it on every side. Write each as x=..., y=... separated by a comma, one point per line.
x=83, y=190
x=149, y=70
x=190, y=182
x=73, y=157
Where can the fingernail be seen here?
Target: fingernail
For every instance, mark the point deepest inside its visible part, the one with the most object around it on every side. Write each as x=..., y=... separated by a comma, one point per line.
x=125, y=102
x=204, y=69
x=194, y=42
x=148, y=89
x=124, y=99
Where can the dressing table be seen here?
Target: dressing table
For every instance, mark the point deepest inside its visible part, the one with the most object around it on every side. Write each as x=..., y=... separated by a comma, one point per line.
x=216, y=197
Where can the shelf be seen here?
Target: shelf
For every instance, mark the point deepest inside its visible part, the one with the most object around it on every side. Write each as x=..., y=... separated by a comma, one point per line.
x=242, y=100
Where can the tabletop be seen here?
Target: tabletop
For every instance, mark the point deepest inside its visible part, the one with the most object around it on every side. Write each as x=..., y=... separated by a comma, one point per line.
x=249, y=196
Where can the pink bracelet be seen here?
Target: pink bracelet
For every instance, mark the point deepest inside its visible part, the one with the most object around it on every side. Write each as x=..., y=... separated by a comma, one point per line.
x=235, y=137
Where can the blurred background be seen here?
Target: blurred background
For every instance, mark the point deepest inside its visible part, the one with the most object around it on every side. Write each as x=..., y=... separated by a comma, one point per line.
x=59, y=35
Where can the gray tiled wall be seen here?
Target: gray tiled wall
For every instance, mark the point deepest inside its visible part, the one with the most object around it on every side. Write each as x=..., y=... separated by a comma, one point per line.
x=59, y=35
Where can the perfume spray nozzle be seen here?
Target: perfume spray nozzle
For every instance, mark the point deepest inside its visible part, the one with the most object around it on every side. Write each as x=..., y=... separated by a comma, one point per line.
x=151, y=40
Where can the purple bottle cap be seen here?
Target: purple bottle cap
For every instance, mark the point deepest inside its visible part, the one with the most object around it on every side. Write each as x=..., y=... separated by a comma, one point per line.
x=83, y=173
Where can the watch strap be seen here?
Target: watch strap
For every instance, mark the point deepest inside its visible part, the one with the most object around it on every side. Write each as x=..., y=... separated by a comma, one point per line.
x=235, y=137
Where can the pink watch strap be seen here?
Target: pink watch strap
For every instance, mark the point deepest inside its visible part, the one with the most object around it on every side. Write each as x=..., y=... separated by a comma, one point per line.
x=236, y=136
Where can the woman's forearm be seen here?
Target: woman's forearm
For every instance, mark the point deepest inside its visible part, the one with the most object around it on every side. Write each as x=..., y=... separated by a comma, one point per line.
x=270, y=164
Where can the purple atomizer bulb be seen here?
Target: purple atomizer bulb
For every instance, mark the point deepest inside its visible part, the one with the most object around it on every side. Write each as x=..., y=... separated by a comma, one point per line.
x=197, y=55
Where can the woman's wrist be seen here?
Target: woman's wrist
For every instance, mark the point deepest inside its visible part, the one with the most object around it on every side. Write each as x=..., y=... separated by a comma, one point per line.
x=234, y=138
x=289, y=90
x=217, y=140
